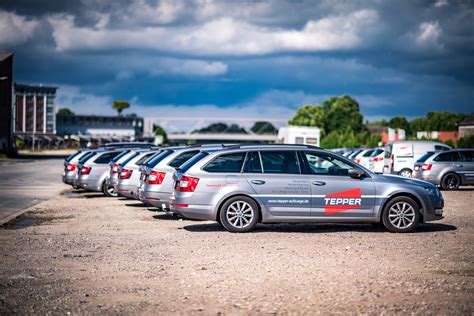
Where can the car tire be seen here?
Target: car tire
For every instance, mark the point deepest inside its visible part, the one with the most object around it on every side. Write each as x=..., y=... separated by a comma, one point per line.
x=110, y=192
x=401, y=215
x=450, y=181
x=239, y=214
x=406, y=173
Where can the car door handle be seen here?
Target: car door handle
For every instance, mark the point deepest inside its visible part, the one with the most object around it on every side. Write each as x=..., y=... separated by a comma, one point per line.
x=259, y=182
x=318, y=183
x=459, y=166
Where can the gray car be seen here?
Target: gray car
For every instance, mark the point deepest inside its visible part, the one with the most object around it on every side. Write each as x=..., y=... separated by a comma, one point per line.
x=94, y=171
x=243, y=185
x=448, y=169
x=129, y=174
x=70, y=166
x=156, y=183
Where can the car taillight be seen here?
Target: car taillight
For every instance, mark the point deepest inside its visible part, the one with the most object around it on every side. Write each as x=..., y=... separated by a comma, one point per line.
x=156, y=177
x=378, y=158
x=187, y=184
x=125, y=174
x=85, y=170
x=115, y=168
x=426, y=167
x=357, y=160
x=70, y=167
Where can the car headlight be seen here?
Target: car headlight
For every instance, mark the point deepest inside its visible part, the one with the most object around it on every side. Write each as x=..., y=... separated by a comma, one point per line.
x=432, y=191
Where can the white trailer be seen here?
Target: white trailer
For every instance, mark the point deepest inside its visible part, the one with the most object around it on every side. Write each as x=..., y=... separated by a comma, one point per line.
x=299, y=135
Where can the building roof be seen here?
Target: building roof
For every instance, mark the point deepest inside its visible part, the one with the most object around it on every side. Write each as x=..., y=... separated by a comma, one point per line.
x=468, y=121
x=4, y=56
x=22, y=87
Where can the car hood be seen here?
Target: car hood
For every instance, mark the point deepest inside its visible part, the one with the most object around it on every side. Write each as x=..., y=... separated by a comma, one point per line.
x=404, y=180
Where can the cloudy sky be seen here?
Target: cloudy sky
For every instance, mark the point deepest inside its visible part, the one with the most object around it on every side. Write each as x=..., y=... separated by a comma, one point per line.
x=245, y=58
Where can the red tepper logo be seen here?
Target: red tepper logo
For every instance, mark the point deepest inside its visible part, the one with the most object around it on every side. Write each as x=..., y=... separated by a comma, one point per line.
x=342, y=201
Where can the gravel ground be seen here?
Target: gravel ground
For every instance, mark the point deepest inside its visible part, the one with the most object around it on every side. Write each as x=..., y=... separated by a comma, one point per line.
x=85, y=253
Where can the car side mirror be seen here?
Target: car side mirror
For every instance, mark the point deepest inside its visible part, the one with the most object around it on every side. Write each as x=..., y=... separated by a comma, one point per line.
x=356, y=173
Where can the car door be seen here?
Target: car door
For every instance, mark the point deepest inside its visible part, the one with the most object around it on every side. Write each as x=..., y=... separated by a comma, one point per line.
x=465, y=166
x=276, y=178
x=334, y=193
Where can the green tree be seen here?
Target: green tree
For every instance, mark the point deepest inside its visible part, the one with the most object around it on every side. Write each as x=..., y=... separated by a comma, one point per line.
x=419, y=124
x=159, y=131
x=466, y=142
x=309, y=115
x=400, y=122
x=340, y=112
x=263, y=128
x=216, y=128
x=443, y=121
x=119, y=106
x=65, y=112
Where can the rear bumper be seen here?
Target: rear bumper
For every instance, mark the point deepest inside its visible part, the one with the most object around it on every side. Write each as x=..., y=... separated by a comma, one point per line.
x=156, y=199
x=90, y=184
x=129, y=191
x=68, y=179
x=202, y=212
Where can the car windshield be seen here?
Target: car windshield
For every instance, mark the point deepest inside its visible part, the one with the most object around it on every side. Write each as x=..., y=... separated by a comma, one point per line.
x=425, y=156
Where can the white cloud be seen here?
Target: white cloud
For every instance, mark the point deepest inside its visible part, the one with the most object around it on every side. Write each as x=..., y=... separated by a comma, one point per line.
x=188, y=67
x=15, y=29
x=83, y=103
x=441, y=3
x=220, y=36
x=428, y=35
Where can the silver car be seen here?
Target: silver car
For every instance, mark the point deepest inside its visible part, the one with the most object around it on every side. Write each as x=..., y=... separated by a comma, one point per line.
x=243, y=185
x=94, y=171
x=70, y=166
x=129, y=174
x=114, y=165
x=157, y=181
x=448, y=169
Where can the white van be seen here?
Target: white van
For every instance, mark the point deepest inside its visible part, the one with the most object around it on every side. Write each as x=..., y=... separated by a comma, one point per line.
x=400, y=156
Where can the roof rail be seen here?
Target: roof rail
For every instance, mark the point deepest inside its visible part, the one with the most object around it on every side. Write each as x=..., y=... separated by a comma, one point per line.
x=271, y=145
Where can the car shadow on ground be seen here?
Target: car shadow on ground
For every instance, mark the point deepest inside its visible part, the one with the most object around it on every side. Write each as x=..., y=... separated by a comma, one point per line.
x=321, y=228
x=138, y=204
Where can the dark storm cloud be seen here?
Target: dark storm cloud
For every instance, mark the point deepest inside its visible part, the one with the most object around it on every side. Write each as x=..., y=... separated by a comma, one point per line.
x=406, y=57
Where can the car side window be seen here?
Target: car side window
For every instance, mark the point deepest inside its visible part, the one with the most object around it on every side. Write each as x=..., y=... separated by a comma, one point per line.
x=280, y=162
x=226, y=163
x=322, y=164
x=444, y=157
x=253, y=164
x=467, y=156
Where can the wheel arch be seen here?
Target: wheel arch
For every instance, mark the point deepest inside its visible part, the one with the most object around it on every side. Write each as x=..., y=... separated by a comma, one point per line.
x=225, y=199
x=410, y=195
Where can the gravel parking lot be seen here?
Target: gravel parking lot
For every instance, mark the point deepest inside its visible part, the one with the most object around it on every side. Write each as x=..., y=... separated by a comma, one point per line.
x=82, y=252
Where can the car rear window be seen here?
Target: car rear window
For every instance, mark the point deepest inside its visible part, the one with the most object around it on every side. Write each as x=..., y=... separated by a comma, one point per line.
x=69, y=158
x=144, y=158
x=280, y=162
x=226, y=163
x=123, y=153
x=368, y=153
x=106, y=157
x=155, y=160
x=191, y=162
x=182, y=158
x=129, y=158
x=426, y=156
x=376, y=152
x=87, y=157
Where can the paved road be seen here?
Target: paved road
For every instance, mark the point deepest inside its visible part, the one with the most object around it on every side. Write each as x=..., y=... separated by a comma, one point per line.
x=27, y=181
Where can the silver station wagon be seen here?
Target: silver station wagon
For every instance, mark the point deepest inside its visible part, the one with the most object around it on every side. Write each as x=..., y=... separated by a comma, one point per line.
x=243, y=185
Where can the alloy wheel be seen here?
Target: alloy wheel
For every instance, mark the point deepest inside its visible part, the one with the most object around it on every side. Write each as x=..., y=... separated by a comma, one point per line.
x=240, y=214
x=401, y=215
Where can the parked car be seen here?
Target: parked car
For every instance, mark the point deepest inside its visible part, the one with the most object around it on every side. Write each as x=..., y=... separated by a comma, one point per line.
x=129, y=174
x=94, y=171
x=376, y=161
x=114, y=164
x=354, y=154
x=157, y=181
x=364, y=157
x=70, y=166
x=400, y=156
x=449, y=169
x=241, y=186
